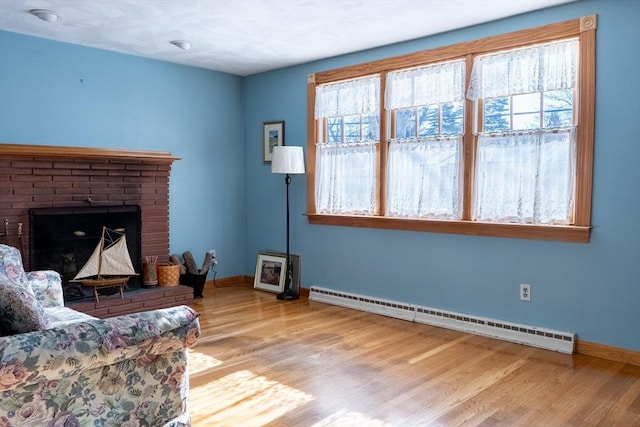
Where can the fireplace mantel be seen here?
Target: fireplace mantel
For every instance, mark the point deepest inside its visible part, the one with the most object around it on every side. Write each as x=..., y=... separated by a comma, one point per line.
x=27, y=150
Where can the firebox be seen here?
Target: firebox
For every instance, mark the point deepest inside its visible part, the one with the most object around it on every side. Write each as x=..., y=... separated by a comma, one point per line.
x=63, y=239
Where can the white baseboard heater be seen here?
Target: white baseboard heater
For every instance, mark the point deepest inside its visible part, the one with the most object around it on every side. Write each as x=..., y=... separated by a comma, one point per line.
x=563, y=342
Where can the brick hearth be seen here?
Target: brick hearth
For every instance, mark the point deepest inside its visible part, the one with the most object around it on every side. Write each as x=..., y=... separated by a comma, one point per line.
x=136, y=301
x=36, y=176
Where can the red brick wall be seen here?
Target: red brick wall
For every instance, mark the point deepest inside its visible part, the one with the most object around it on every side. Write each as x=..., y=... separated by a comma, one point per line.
x=42, y=182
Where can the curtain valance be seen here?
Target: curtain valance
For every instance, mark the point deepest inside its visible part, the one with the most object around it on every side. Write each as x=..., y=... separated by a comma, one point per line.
x=360, y=96
x=533, y=69
x=433, y=84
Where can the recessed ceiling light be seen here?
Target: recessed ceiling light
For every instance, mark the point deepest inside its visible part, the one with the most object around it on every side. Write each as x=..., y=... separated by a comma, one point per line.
x=182, y=44
x=44, y=14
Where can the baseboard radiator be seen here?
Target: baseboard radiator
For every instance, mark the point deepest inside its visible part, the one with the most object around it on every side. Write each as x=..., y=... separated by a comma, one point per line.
x=563, y=342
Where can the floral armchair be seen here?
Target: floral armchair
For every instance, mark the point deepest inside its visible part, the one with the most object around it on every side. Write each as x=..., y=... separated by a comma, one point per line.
x=74, y=370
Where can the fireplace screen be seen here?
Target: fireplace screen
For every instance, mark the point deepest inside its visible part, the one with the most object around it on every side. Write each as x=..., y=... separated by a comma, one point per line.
x=63, y=239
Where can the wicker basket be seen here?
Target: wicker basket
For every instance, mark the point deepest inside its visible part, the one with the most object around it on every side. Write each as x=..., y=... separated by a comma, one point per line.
x=168, y=274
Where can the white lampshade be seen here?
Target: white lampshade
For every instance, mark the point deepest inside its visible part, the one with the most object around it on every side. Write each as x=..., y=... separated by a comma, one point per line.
x=287, y=159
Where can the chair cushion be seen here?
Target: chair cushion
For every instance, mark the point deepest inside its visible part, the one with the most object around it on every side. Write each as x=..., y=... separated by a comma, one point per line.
x=21, y=310
x=11, y=269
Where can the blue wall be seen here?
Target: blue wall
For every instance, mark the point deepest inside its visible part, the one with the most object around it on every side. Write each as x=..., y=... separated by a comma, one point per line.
x=60, y=94
x=592, y=289
x=222, y=196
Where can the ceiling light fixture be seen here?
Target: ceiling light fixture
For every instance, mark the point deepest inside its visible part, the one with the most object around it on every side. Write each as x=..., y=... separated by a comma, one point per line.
x=44, y=14
x=182, y=44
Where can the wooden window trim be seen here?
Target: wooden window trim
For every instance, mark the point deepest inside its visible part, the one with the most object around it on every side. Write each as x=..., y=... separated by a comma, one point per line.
x=579, y=232
x=566, y=233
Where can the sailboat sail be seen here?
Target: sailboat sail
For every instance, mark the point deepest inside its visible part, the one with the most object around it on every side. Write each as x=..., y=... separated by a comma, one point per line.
x=112, y=260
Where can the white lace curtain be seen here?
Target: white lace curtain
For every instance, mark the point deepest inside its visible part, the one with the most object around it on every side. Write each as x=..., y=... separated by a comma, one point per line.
x=345, y=178
x=424, y=178
x=352, y=97
x=423, y=174
x=346, y=173
x=533, y=69
x=525, y=176
x=434, y=84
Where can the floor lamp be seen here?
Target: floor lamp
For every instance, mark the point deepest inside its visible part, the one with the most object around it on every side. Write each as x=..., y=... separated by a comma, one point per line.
x=288, y=160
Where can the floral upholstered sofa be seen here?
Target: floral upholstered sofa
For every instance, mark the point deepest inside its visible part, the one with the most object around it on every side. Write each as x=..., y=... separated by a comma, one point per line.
x=60, y=367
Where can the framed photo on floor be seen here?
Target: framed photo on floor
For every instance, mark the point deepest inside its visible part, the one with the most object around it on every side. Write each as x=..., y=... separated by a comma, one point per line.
x=270, y=272
x=295, y=265
x=272, y=136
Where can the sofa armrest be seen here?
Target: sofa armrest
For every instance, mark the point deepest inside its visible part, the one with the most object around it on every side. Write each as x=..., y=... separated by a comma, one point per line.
x=156, y=331
x=47, y=286
x=64, y=351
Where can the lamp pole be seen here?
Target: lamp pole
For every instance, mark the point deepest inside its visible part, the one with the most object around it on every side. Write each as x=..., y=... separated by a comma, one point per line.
x=288, y=293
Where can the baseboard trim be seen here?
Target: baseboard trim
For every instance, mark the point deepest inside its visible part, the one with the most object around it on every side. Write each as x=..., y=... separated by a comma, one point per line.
x=248, y=280
x=226, y=282
x=615, y=354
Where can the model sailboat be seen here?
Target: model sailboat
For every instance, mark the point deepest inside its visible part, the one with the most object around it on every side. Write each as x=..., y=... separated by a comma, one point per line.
x=110, y=263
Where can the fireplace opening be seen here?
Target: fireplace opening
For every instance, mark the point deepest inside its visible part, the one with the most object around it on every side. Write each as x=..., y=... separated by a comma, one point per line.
x=63, y=239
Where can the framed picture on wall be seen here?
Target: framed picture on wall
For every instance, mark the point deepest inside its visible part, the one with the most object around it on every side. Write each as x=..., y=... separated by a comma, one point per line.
x=270, y=272
x=272, y=136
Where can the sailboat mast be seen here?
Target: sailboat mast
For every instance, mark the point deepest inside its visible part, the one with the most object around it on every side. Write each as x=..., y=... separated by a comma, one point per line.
x=101, y=249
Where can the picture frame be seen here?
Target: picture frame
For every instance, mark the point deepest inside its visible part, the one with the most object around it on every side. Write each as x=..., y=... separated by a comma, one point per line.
x=272, y=136
x=270, y=272
x=296, y=262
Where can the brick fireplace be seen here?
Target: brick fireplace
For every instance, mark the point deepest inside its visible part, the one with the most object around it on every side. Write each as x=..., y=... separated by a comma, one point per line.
x=36, y=176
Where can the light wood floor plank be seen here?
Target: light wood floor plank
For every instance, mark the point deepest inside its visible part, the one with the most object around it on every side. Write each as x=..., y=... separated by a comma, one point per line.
x=264, y=362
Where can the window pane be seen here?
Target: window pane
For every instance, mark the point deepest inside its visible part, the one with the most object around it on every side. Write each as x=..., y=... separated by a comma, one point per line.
x=452, y=114
x=352, y=125
x=334, y=130
x=526, y=111
x=428, y=120
x=496, y=114
x=351, y=128
x=558, y=108
x=406, y=123
x=371, y=128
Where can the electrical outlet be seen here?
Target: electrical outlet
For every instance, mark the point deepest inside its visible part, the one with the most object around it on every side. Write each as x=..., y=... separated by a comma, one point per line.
x=525, y=292
x=213, y=255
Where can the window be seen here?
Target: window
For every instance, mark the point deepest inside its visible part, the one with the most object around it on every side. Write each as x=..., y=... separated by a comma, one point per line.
x=423, y=168
x=346, y=156
x=525, y=155
x=491, y=137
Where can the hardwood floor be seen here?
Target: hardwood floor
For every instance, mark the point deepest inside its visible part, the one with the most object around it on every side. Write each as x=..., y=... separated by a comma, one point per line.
x=264, y=362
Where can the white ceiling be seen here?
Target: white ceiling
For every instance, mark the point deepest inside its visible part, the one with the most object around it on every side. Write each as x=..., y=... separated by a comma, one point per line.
x=244, y=37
